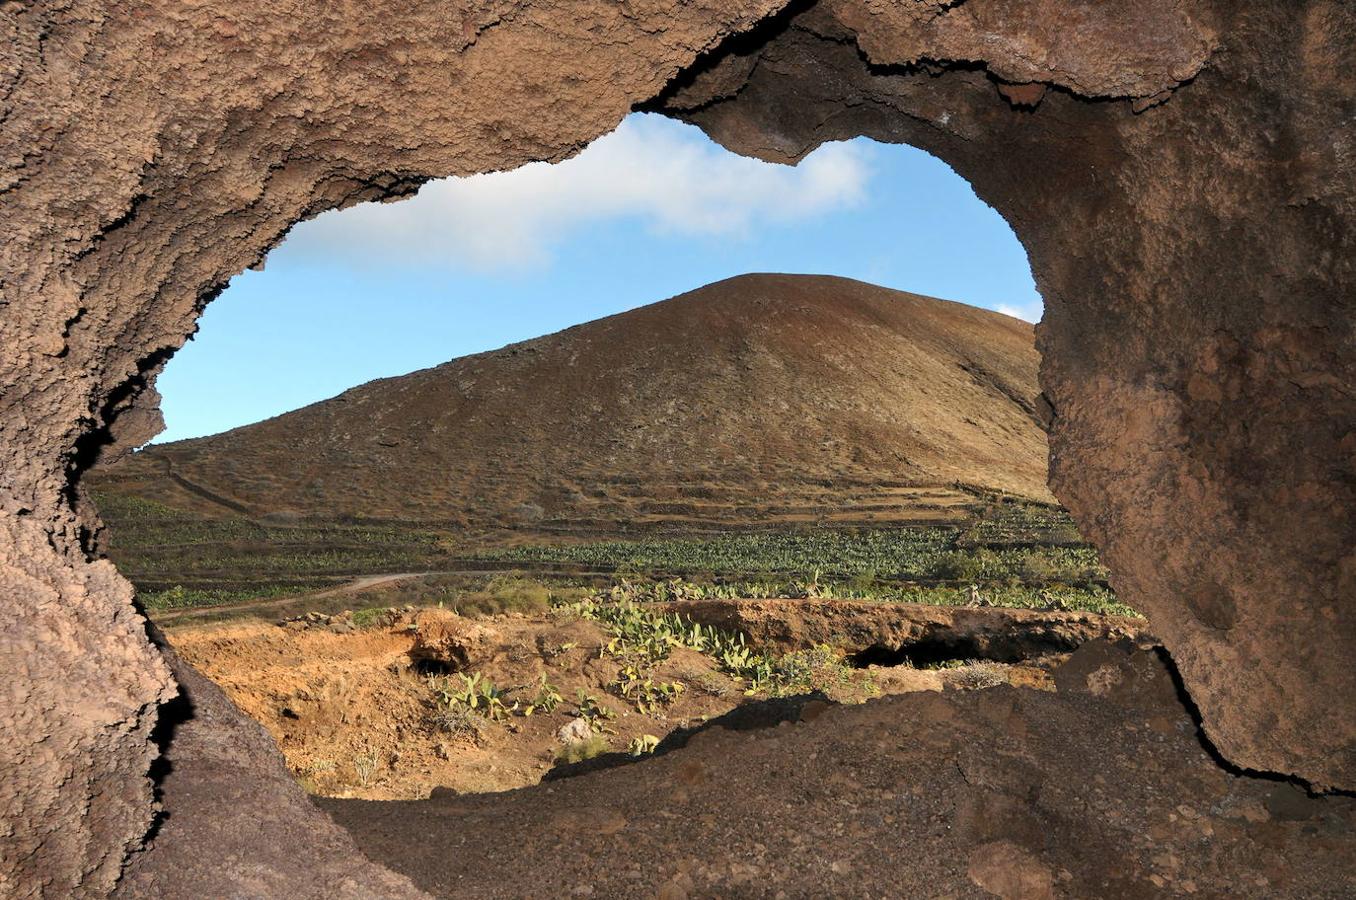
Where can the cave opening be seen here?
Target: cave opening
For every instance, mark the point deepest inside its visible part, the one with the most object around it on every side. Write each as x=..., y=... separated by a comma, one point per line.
x=945, y=650
x=1190, y=357
x=362, y=522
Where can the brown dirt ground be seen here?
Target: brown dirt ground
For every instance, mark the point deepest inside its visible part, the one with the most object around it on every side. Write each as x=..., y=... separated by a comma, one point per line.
x=353, y=711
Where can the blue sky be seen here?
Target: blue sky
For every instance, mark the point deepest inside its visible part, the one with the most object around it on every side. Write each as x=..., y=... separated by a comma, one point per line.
x=650, y=211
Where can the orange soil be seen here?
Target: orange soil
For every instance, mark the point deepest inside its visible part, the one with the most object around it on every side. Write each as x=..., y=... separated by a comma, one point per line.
x=354, y=714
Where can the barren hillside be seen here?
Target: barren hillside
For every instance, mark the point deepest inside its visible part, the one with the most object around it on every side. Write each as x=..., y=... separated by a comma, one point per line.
x=762, y=399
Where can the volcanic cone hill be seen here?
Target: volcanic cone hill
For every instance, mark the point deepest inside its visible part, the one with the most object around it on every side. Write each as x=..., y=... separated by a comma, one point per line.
x=759, y=400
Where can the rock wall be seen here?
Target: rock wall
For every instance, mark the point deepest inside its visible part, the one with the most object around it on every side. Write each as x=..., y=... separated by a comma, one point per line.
x=1181, y=173
x=1193, y=245
x=234, y=823
x=151, y=151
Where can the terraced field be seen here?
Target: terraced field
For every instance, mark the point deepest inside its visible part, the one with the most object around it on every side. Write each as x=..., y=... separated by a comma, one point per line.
x=1017, y=553
x=904, y=458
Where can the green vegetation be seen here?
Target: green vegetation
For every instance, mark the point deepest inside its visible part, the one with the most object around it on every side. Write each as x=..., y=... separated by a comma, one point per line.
x=642, y=633
x=370, y=617
x=820, y=668
x=650, y=636
x=159, y=547
x=1093, y=598
x=893, y=555
x=1015, y=523
x=179, y=597
x=592, y=711
x=475, y=693
x=546, y=699
x=504, y=594
x=1021, y=554
x=647, y=695
x=462, y=708
x=901, y=552
x=459, y=722
x=579, y=751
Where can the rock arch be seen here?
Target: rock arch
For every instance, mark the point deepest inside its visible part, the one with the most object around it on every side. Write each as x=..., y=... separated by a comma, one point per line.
x=1181, y=174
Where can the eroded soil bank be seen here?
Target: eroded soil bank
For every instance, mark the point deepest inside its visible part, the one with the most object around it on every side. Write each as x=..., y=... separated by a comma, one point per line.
x=374, y=705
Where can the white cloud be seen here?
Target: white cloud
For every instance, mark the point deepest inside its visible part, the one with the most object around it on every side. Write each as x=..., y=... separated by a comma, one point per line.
x=665, y=175
x=1027, y=312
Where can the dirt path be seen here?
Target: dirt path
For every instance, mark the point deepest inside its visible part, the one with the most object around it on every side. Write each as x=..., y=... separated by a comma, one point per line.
x=357, y=585
x=205, y=493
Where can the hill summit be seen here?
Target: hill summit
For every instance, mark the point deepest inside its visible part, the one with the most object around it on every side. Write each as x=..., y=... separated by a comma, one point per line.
x=758, y=400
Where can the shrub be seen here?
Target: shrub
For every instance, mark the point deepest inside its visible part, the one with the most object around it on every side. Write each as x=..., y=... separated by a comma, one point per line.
x=578, y=751
x=818, y=668
x=980, y=675
x=866, y=583
x=505, y=594
x=961, y=565
x=1037, y=567
x=459, y=722
x=371, y=617
x=365, y=766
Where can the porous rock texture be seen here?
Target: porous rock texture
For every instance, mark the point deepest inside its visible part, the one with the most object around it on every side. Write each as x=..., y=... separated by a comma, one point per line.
x=1193, y=246
x=1181, y=172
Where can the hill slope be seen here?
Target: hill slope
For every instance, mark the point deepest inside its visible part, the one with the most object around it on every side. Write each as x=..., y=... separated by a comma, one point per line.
x=762, y=399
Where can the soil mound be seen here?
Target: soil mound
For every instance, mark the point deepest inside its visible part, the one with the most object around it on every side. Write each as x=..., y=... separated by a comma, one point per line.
x=762, y=399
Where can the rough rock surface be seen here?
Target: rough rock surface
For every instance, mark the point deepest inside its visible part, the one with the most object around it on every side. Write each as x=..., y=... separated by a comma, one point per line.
x=453, y=643
x=151, y=151
x=1195, y=254
x=225, y=784
x=1099, y=790
x=1002, y=635
x=1183, y=183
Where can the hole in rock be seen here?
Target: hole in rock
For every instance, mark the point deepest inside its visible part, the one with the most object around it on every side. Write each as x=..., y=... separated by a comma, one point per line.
x=432, y=668
x=433, y=541
x=919, y=655
x=1013, y=644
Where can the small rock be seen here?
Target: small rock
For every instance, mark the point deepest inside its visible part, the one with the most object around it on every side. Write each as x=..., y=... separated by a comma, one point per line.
x=574, y=731
x=1011, y=872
